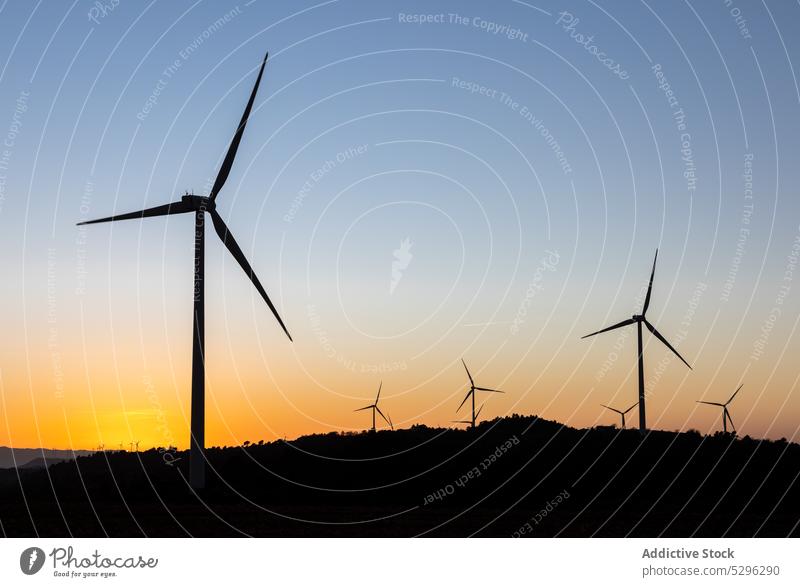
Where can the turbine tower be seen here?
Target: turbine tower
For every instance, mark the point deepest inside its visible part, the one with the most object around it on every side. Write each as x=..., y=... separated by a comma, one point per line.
x=640, y=319
x=471, y=392
x=199, y=206
x=374, y=407
x=726, y=415
x=621, y=413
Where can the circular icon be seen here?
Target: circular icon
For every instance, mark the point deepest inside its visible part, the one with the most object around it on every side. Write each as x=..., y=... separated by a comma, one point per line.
x=31, y=560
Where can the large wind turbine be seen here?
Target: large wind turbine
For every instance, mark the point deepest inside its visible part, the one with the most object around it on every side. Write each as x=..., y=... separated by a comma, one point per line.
x=640, y=319
x=726, y=415
x=199, y=206
x=471, y=392
x=374, y=407
x=621, y=412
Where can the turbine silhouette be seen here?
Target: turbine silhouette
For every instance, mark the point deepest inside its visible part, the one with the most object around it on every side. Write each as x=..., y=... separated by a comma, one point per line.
x=471, y=392
x=199, y=206
x=640, y=319
x=374, y=407
x=621, y=413
x=478, y=413
x=726, y=415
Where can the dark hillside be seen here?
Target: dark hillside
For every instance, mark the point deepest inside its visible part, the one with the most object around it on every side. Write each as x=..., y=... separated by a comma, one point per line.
x=511, y=476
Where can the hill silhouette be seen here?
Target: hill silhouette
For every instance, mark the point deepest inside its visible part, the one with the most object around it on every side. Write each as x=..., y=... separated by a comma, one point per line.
x=514, y=476
x=41, y=463
x=11, y=457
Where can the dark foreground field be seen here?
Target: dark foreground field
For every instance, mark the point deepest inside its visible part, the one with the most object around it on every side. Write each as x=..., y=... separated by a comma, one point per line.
x=509, y=477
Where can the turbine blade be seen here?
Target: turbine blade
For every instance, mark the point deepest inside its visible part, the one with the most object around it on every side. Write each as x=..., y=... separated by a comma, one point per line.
x=487, y=389
x=711, y=404
x=227, y=238
x=657, y=334
x=727, y=413
x=619, y=325
x=612, y=409
x=478, y=413
x=165, y=210
x=237, y=137
x=734, y=394
x=630, y=408
x=650, y=287
x=362, y=409
x=379, y=393
x=382, y=416
x=468, y=373
x=466, y=397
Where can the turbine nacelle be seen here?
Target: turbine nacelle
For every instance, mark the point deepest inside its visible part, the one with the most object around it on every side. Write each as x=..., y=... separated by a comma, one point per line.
x=198, y=203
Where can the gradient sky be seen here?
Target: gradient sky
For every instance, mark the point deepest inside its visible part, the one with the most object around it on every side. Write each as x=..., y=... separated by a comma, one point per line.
x=539, y=199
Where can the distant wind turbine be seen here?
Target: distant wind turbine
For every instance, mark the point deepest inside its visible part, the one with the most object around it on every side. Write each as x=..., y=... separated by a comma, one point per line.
x=374, y=407
x=640, y=319
x=471, y=392
x=199, y=206
x=621, y=413
x=726, y=415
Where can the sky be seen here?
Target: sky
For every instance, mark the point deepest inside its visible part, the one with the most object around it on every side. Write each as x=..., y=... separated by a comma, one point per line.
x=419, y=182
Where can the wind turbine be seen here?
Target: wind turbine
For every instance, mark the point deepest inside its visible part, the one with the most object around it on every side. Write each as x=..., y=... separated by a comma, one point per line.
x=726, y=415
x=621, y=413
x=374, y=407
x=199, y=206
x=130, y=444
x=640, y=319
x=471, y=392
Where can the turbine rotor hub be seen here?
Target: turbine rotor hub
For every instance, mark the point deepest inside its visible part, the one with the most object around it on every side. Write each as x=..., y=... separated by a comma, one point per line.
x=638, y=317
x=199, y=203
